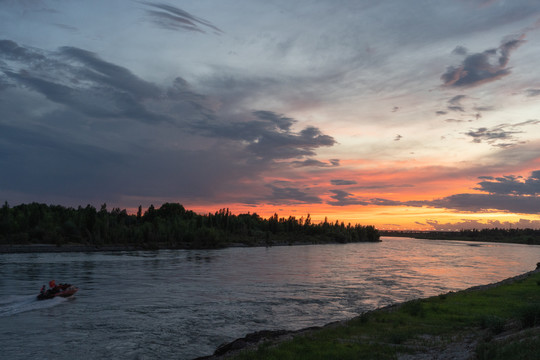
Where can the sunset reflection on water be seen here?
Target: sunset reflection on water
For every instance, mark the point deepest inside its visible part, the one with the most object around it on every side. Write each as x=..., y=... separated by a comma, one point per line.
x=215, y=296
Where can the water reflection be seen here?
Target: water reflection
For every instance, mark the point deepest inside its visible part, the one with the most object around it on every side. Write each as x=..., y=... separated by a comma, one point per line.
x=182, y=304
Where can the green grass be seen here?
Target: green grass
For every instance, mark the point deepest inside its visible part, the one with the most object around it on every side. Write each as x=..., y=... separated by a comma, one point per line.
x=524, y=346
x=432, y=323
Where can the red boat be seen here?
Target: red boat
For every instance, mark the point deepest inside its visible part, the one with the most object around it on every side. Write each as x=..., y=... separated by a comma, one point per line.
x=62, y=290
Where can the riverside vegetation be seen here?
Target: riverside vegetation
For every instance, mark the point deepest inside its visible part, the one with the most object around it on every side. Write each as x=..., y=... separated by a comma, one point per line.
x=495, y=322
x=516, y=236
x=170, y=226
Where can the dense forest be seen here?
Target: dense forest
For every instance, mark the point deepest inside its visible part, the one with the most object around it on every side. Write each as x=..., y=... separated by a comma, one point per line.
x=170, y=226
x=518, y=236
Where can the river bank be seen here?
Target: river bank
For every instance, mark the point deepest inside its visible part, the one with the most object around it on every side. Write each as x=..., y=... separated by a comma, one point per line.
x=50, y=248
x=495, y=321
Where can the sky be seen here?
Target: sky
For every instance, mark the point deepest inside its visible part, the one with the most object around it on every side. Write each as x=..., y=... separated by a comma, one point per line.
x=418, y=114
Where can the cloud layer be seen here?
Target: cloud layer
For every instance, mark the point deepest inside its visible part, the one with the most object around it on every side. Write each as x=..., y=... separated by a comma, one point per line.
x=93, y=97
x=384, y=112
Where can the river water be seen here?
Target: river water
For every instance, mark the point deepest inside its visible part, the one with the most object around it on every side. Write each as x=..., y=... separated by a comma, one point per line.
x=180, y=304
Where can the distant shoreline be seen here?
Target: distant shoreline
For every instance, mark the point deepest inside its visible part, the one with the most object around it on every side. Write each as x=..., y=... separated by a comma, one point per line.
x=51, y=248
x=509, y=236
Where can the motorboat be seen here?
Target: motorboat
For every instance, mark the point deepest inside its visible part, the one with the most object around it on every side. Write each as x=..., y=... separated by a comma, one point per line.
x=62, y=290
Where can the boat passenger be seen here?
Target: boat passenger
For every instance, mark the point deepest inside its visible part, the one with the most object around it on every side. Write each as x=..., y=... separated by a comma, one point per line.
x=42, y=291
x=52, y=284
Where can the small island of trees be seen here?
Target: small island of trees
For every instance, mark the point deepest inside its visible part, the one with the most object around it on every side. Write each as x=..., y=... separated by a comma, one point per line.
x=170, y=226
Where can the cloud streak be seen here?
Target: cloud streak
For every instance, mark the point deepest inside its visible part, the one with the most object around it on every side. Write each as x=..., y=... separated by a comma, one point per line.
x=81, y=81
x=501, y=135
x=173, y=18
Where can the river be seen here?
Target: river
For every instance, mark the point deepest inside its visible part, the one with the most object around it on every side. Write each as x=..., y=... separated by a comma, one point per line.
x=180, y=304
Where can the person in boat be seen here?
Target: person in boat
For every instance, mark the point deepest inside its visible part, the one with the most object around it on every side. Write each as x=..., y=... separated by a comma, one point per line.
x=53, y=287
x=42, y=291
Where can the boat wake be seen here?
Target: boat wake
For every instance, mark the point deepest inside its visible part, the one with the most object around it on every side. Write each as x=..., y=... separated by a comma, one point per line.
x=15, y=304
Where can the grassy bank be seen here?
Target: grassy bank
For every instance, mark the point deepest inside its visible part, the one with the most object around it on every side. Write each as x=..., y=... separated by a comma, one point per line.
x=500, y=321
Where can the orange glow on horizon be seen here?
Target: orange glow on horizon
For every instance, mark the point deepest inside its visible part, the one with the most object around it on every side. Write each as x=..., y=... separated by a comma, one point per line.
x=396, y=199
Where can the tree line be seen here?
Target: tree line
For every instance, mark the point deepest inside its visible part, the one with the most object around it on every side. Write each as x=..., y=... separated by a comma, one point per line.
x=170, y=225
x=518, y=236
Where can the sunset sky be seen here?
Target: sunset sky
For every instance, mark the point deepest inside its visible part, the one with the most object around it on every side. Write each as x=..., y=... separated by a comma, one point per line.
x=413, y=114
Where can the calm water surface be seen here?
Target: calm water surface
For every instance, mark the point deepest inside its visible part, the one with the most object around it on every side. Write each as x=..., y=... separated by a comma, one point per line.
x=180, y=304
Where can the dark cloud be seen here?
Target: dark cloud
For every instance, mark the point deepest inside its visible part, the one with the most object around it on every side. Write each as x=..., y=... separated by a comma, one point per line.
x=343, y=182
x=456, y=100
x=173, y=18
x=268, y=135
x=315, y=163
x=385, y=202
x=488, y=202
x=81, y=81
x=460, y=50
x=282, y=122
x=10, y=50
x=383, y=186
x=47, y=165
x=40, y=162
x=493, y=135
x=101, y=133
x=334, y=162
x=88, y=101
x=483, y=67
x=511, y=185
x=508, y=193
x=291, y=195
x=484, y=108
x=501, y=135
x=343, y=198
x=88, y=66
x=454, y=104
